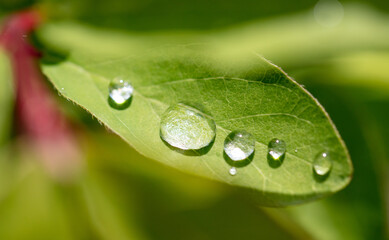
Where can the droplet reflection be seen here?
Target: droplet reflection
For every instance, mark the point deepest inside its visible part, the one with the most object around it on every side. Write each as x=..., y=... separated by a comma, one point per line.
x=120, y=93
x=322, y=164
x=186, y=128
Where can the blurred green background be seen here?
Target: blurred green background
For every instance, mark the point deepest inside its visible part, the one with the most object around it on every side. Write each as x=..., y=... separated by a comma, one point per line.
x=339, y=50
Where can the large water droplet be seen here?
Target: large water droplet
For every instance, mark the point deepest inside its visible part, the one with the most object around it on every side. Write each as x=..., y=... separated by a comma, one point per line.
x=322, y=164
x=239, y=145
x=120, y=93
x=233, y=171
x=186, y=128
x=277, y=149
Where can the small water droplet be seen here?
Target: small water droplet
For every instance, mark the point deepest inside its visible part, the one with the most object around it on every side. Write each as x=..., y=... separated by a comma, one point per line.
x=233, y=171
x=239, y=145
x=277, y=149
x=186, y=128
x=328, y=13
x=322, y=164
x=120, y=93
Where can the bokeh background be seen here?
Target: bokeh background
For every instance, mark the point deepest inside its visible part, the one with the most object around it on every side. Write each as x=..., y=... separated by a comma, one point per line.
x=339, y=50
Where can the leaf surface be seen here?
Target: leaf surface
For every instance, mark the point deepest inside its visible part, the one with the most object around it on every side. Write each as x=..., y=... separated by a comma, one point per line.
x=243, y=91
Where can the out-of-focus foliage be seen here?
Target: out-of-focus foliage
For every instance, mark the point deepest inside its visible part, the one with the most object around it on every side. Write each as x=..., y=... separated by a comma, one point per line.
x=170, y=14
x=116, y=198
x=7, y=6
x=360, y=71
x=6, y=98
x=152, y=15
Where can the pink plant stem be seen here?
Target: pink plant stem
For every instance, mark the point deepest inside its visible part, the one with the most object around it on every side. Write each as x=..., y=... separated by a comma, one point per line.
x=37, y=113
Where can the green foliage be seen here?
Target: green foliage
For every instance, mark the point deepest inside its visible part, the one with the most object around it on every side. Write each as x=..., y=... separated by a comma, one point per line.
x=7, y=6
x=6, y=97
x=123, y=195
x=115, y=198
x=168, y=14
x=239, y=92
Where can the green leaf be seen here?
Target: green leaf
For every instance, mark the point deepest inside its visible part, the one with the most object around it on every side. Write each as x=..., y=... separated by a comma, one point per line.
x=6, y=97
x=242, y=91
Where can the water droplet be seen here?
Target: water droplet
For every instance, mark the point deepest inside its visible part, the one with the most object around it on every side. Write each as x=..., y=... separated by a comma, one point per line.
x=186, y=128
x=328, y=13
x=233, y=171
x=120, y=93
x=277, y=149
x=322, y=164
x=239, y=145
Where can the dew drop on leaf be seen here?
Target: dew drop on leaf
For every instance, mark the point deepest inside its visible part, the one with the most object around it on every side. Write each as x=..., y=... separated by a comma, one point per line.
x=322, y=164
x=277, y=149
x=239, y=145
x=233, y=171
x=120, y=93
x=186, y=128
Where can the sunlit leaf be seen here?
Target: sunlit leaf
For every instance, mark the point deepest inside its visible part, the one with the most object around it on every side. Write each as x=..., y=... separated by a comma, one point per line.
x=238, y=92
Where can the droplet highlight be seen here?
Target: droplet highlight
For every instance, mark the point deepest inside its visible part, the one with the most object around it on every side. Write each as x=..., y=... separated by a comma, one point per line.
x=239, y=145
x=322, y=164
x=277, y=149
x=233, y=171
x=187, y=128
x=120, y=93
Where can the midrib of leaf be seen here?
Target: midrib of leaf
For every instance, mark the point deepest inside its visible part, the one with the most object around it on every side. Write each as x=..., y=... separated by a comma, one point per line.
x=248, y=116
x=148, y=100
